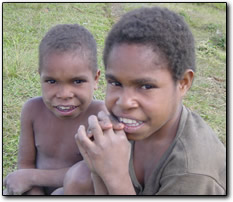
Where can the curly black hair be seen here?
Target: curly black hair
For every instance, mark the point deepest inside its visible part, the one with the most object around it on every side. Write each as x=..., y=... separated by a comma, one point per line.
x=162, y=30
x=69, y=38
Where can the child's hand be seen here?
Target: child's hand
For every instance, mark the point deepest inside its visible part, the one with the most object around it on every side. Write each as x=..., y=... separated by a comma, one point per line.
x=105, y=124
x=109, y=153
x=108, y=121
x=17, y=182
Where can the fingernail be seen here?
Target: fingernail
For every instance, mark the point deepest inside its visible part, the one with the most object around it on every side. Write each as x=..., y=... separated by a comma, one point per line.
x=81, y=127
x=121, y=125
x=108, y=124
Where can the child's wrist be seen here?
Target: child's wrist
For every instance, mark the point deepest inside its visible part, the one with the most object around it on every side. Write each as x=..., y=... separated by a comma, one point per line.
x=119, y=184
x=38, y=177
x=33, y=177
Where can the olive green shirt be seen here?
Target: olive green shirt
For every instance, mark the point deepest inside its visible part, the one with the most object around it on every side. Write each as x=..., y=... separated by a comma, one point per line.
x=194, y=164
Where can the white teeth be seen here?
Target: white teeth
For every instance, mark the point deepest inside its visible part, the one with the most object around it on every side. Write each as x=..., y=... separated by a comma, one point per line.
x=130, y=122
x=64, y=107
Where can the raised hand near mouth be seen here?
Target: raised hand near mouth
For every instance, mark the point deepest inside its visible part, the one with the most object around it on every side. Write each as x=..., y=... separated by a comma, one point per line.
x=108, y=154
x=106, y=122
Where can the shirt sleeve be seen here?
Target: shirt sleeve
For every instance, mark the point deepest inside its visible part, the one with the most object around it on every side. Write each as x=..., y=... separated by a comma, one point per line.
x=190, y=184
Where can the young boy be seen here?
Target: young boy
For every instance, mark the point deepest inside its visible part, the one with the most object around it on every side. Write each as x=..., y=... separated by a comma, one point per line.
x=149, y=58
x=69, y=75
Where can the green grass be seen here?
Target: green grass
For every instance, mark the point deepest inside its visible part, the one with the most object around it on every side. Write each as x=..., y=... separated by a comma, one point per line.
x=24, y=25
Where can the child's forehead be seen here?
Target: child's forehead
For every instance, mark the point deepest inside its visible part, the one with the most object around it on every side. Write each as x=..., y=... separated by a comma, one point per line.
x=65, y=57
x=66, y=61
x=137, y=63
x=142, y=51
x=78, y=53
x=137, y=55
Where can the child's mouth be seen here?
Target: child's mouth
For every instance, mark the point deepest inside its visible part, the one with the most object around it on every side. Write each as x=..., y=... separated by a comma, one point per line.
x=130, y=125
x=65, y=109
x=129, y=122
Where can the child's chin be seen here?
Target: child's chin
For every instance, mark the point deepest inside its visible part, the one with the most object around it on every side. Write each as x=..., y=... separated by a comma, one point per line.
x=133, y=136
x=130, y=130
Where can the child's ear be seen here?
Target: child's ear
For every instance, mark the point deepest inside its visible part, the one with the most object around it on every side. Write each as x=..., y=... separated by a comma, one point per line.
x=186, y=82
x=97, y=79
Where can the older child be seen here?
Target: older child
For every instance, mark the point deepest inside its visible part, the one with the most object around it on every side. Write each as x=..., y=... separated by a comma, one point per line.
x=149, y=58
x=69, y=74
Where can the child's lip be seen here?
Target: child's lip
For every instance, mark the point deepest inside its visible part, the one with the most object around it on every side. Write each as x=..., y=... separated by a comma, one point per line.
x=131, y=125
x=128, y=120
x=65, y=107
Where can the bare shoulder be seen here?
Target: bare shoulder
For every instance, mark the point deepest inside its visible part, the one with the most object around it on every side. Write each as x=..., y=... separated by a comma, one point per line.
x=33, y=102
x=33, y=106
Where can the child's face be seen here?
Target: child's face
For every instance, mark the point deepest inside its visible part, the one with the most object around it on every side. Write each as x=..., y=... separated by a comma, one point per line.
x=67, y=84
x=140, y=90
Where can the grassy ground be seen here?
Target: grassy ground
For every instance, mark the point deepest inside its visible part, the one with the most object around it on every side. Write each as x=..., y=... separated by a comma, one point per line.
x=24, y=24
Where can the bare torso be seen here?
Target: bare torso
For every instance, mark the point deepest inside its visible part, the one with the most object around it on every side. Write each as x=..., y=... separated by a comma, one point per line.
x=53, y=138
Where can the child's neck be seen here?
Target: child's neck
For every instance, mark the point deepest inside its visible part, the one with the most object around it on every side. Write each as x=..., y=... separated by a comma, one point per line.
x=166, y=135
x=148, y=152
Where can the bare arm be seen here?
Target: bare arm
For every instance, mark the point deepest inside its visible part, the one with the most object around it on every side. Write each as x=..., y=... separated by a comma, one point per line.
x=26, y=154
x=27, y=177
x=27, y=150
x=23, y=180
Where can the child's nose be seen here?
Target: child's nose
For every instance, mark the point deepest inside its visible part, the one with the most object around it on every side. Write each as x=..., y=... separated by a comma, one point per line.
x=65, y=92
x=127, y=100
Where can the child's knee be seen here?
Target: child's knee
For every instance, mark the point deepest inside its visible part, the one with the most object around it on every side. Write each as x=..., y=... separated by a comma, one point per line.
x=78, y=180
x=79, y=173
x=58, y=191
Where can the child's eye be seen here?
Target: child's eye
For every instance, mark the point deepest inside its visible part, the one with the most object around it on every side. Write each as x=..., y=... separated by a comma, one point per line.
x=78, y=81
x=147, y=86
x=50, y=81
x=114, y=83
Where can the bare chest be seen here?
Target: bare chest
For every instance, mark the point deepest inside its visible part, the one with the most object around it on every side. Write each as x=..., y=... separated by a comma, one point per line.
x=55, y=144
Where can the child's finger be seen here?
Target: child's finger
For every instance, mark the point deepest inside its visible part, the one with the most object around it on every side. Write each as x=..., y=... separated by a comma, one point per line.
x=108, y=121
x=82, y=140
x=104, y=120
x=89, y=134
x=95, y=128
x=102, y=116
x=116, y=124
x=104, y=125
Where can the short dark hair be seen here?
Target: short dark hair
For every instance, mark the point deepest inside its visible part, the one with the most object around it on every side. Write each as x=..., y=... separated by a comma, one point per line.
x=162, y=30
x=69, y=38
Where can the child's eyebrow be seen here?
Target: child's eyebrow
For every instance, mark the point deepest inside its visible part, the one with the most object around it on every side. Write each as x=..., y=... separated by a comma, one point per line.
x=47, y=77
x=144, y=81
x=83, y=77
x=110, y=76
x=138, y=81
